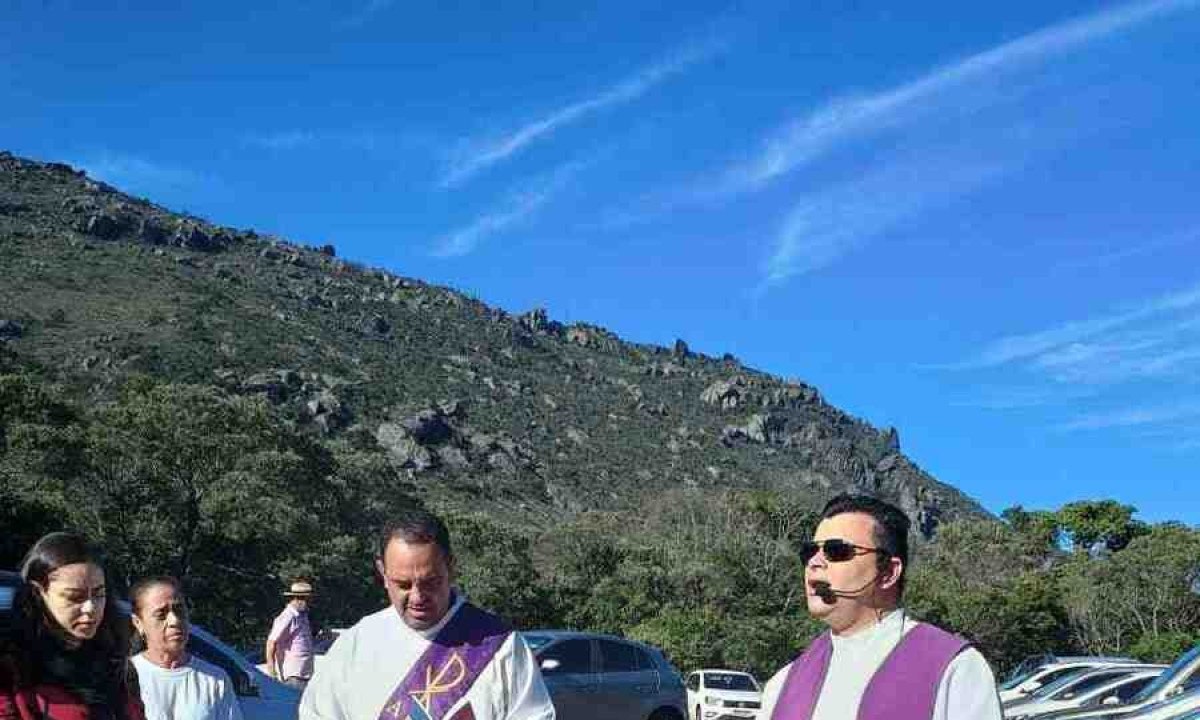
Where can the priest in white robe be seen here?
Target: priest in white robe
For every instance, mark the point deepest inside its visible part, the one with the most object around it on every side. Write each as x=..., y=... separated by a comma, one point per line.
x=430, y=655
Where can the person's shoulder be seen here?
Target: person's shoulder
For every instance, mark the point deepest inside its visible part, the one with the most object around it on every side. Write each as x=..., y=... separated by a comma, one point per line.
x=780, y=675
x=368, y=625
x=484, y=617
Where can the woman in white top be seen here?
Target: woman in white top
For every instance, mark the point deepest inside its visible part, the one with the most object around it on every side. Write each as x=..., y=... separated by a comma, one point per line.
x=175, y=685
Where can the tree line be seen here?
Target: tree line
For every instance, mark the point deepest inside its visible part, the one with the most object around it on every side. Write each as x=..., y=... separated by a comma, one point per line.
x=222, y=492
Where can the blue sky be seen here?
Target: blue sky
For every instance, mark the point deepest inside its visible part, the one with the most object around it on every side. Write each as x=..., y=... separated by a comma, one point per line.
x=978, y=223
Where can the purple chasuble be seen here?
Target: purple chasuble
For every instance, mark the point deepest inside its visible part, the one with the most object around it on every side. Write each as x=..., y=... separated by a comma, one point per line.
x=449, y=666
x=903, y=688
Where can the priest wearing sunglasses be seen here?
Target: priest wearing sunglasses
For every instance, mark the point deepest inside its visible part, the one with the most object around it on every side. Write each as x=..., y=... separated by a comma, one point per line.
x=875, y=662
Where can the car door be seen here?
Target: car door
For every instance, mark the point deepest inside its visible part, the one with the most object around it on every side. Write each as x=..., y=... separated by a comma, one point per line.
x=568, y=669
x=628, y=688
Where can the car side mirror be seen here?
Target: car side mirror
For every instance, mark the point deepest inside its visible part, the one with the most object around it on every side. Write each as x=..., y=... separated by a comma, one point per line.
x=1030, y=686
x=1111, y=700
x=550, y=665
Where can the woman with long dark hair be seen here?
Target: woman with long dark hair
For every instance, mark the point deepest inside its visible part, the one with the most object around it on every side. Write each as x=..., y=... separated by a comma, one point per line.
x=69, y=657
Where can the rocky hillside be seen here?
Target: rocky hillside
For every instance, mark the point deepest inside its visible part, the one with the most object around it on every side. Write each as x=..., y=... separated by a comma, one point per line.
x=512, y=413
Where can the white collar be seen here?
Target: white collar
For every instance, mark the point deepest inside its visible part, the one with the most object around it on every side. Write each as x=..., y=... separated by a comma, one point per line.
x=891, y=625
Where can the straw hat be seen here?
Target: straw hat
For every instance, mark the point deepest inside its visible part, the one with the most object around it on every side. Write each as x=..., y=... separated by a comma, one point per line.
x=299, y=589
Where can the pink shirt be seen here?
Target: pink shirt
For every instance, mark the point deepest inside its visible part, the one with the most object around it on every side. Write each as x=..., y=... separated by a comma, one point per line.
x=293, y=644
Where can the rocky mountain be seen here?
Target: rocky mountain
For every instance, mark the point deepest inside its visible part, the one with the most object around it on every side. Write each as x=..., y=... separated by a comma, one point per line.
x=516, y=414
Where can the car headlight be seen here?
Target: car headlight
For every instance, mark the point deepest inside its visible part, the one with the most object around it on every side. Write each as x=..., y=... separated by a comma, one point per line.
x=710, y=700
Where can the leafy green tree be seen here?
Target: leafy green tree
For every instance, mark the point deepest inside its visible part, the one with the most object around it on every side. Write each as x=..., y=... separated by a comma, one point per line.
x=1136, y=595
x=1092, y=522
x=496, y=571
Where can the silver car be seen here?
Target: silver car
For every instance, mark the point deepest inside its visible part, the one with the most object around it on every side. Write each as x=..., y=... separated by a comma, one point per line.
x=1102, y=687
x=601, y=677
x=1182, y=679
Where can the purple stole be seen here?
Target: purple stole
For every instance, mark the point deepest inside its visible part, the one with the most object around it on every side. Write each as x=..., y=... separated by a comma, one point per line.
x=448, y=668
x=904, y=688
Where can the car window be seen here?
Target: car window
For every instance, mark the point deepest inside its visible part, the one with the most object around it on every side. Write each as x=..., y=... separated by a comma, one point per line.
x=618, y=657
x=573, y=656
x=729, y=681
x=1129, y=689
x=1052, y=675
x=1076, y=687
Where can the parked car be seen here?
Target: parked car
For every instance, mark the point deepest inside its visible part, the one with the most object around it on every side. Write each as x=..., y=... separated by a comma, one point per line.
x=600, y=677
x=723, y=695
x=1181, y=705
x=1029, y=665
x=261, y=697
x=1040, y=677
x=1104, y=686
x=1182, y=678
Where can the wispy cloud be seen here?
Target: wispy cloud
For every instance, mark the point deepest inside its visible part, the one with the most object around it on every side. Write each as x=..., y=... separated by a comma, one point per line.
x=365, y=13
x=520, y=205
x=825, y=225
x=1132, y=250
x=1054, y=341
x=1134, y=417
x=1019, y=398
x=850, y=118
x=139, y=175
x=957, y=132
x=476, y=155
x=1145, y=350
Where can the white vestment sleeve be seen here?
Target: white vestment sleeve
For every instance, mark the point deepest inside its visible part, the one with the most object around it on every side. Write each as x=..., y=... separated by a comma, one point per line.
x=322, y=699
x=968, y=690
x=527, y=698
x=770, y=695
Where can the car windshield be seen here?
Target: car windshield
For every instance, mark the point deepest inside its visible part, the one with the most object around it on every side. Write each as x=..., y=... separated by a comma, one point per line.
x=1168, y=675
x=1021, y=672
x=729, y=681
x=1019, y=678
x=1059, y=683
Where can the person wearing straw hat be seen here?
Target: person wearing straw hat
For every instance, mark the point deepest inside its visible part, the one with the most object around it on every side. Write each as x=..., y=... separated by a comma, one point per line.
x=289, y=649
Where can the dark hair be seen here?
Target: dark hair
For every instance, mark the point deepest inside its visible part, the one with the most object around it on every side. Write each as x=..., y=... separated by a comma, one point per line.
x=418, y=527
x=98, y=671
x=142, y=586
x=891, y=527
x=137, y=643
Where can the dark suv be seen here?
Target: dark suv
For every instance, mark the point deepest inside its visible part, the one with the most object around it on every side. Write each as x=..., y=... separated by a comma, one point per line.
x=600, y=677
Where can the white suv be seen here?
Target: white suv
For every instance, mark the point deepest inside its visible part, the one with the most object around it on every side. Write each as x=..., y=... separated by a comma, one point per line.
x=723, y=695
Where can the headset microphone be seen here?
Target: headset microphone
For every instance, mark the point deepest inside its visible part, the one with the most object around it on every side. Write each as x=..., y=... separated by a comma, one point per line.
x=829, y=594
x=825, y=591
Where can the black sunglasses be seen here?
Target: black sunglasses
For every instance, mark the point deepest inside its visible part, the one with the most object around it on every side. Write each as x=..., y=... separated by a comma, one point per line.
x=836, y=550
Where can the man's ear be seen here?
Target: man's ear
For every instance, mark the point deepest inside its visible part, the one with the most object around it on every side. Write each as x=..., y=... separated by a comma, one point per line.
x=137, y=624
x=379, y=570
x=890, y=573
